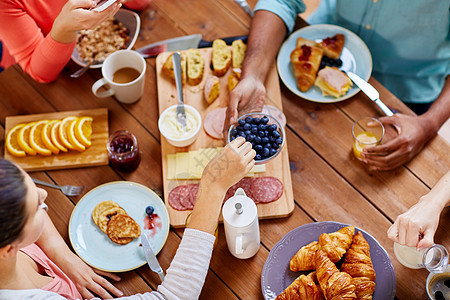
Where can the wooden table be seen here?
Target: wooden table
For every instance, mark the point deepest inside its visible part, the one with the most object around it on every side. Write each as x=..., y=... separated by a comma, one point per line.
x=329, y=184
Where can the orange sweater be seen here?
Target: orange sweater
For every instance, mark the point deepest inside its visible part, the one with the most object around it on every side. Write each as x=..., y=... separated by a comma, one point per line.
x=24, y=32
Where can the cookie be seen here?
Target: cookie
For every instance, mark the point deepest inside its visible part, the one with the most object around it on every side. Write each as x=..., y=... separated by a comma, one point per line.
x=99, y=208
x=106, y=215
x=122, y=229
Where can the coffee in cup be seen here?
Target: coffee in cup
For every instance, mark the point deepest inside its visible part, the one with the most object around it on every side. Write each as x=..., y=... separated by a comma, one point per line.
x=124, y=72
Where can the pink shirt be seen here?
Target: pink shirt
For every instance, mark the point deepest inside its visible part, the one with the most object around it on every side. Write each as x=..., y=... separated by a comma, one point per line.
x=61, y=284
x=24, y=33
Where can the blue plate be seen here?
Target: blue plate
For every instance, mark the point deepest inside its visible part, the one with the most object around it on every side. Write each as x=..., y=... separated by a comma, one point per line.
x=94, y=246
x=276, y=275
x=355, y=57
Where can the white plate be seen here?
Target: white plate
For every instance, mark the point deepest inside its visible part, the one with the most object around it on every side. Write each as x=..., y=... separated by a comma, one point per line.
x=355, y=57
x=94, y=246
x=131, y=21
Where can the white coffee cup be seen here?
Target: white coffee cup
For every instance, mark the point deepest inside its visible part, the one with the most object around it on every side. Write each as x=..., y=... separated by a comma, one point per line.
x=128, y=92
x=240, y=219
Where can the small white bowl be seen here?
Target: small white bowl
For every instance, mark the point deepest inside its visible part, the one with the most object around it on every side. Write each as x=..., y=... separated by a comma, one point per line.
x=188, y=139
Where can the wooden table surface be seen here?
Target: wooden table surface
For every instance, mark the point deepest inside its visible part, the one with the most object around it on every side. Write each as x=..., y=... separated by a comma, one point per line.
x=329, y=183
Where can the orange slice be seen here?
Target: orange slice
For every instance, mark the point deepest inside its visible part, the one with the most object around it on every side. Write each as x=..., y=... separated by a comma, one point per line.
x=62, y=132
x=47, y=137
x=36, y=138
x=55, y=136
x=12, y=144
x=24, y=139
x=83, y=130
x=71, y=136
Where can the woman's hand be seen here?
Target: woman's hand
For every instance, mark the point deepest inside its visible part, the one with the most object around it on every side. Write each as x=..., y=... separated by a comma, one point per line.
x=75, y=15
x=88, y=281
x=248, y=96
x=229, y=166
x=413, y=133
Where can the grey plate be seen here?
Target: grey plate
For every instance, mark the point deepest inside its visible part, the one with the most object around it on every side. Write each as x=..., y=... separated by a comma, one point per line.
x=276, y=275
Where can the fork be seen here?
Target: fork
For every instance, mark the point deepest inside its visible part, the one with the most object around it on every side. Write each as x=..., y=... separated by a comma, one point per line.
x=69, y=190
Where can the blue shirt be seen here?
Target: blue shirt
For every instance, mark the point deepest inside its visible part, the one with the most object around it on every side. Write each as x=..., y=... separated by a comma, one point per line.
x=409, y=39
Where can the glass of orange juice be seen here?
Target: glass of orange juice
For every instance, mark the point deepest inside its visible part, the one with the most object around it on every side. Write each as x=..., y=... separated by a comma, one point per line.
x=367, y=132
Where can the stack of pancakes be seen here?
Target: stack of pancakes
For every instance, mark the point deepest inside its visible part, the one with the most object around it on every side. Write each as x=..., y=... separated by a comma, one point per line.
x=115, y=222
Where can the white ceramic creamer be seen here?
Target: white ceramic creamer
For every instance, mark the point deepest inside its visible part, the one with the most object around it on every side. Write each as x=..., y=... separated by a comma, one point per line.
x=240, y=219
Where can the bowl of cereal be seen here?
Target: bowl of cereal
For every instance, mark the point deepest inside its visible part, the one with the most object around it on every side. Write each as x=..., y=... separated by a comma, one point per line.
x=94, y=45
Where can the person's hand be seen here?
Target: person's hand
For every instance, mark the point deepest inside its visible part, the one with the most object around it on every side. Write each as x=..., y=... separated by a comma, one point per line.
x=248, y=96
x=89, y=282
x=230, y=165
x=413, y=133
x=75, y=15
x=417, y=226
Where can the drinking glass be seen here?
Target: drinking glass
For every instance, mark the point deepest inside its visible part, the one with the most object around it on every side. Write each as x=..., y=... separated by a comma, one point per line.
x=367, y=132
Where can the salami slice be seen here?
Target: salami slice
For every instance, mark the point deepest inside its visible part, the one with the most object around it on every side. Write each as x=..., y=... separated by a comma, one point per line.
x=245, y=183
x=213, y=123
x=179, y=198
x=193, y=194
x=276, y=113
x=265, y=189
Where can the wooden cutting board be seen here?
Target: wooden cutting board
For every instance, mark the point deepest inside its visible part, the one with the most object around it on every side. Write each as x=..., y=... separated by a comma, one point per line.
x=193, y=95
x=95, y=155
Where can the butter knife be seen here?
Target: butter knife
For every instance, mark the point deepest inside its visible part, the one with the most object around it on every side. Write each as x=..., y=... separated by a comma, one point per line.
x=370, y=91
x=244, y=5
x=181, y=114
x=150, y=256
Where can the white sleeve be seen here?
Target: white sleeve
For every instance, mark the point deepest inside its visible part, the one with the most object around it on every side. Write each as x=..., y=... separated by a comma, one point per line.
x=31, y=294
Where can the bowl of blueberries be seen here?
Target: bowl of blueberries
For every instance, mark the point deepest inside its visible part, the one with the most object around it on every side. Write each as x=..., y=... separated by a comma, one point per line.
x=263, y=131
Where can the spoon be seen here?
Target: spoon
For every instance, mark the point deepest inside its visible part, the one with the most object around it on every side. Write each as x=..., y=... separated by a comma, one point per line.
x=81, y=71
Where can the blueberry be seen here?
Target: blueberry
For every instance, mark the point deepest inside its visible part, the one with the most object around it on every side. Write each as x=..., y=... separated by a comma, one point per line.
x=240, y=128
x=273, y=151
x=233, y=132
x=262, y=127
x=249, y=120
x=258, y=148
x=264, y=120
x=149, y=210
x=275, y=146
x=241, y=122
x=250, y=137
x=253, y=144
x=254, y=129
x=247, y=126
x=273, y=127
x=276, y=134
x=261, y=133
x=265, y=140
x=272, y=139
x=239, y=133
x=339, y=63
x=279, y=141
x=257, y=139
x=265, y=152
x=247, y=132
x=266, y=132
x=256, y=121
x=268, y=146
x=258, y=157
x=232, y=138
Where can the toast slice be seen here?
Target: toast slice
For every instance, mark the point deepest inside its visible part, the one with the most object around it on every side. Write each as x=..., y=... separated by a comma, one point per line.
x=212, y=88
x=238, y=53
x=221, y=57
x=195, y=66
x=167, y=67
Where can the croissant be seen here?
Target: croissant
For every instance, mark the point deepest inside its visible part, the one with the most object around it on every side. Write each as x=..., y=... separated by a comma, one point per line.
x=333, y=46
x=337, y=243
x=303, y=288
x=335, y=285
x=303, y=260
x=358, y=264
x=306, y=61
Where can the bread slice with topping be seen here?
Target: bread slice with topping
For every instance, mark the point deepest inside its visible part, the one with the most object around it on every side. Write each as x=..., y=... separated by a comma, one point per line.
x=221, y=57
x=195, y=66
x=333, y=82
x=167, y=67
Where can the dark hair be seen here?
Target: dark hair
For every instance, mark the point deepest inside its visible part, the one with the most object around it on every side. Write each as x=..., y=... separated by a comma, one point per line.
x=12, y=202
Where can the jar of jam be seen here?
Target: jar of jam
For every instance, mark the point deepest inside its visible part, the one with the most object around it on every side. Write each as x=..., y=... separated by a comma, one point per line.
x=123, y=151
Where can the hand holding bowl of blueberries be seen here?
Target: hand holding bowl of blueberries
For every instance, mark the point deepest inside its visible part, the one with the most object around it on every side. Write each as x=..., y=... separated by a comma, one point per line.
x=263, y=131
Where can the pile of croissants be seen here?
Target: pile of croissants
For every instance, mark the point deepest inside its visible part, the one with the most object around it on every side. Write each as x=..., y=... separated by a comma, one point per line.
x=355, y=279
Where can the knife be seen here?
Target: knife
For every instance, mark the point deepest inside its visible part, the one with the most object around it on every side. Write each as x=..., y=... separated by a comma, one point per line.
x=151, y=257
x=181, y=114
x=244, y=5
x=370, y=91
x=183, y=43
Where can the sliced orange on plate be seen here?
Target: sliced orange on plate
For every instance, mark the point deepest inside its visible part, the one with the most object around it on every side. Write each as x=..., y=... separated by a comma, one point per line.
x=62, y=132
x=36, y=141
x=24, y=139
x=83, y=130
x=12, y=144
x=77, y=145
x=46, y=136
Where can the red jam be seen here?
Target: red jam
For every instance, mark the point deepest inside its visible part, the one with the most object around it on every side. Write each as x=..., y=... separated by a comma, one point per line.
x=306, y=53
x=329, y=41
x=123, y=151
x=153, y=223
